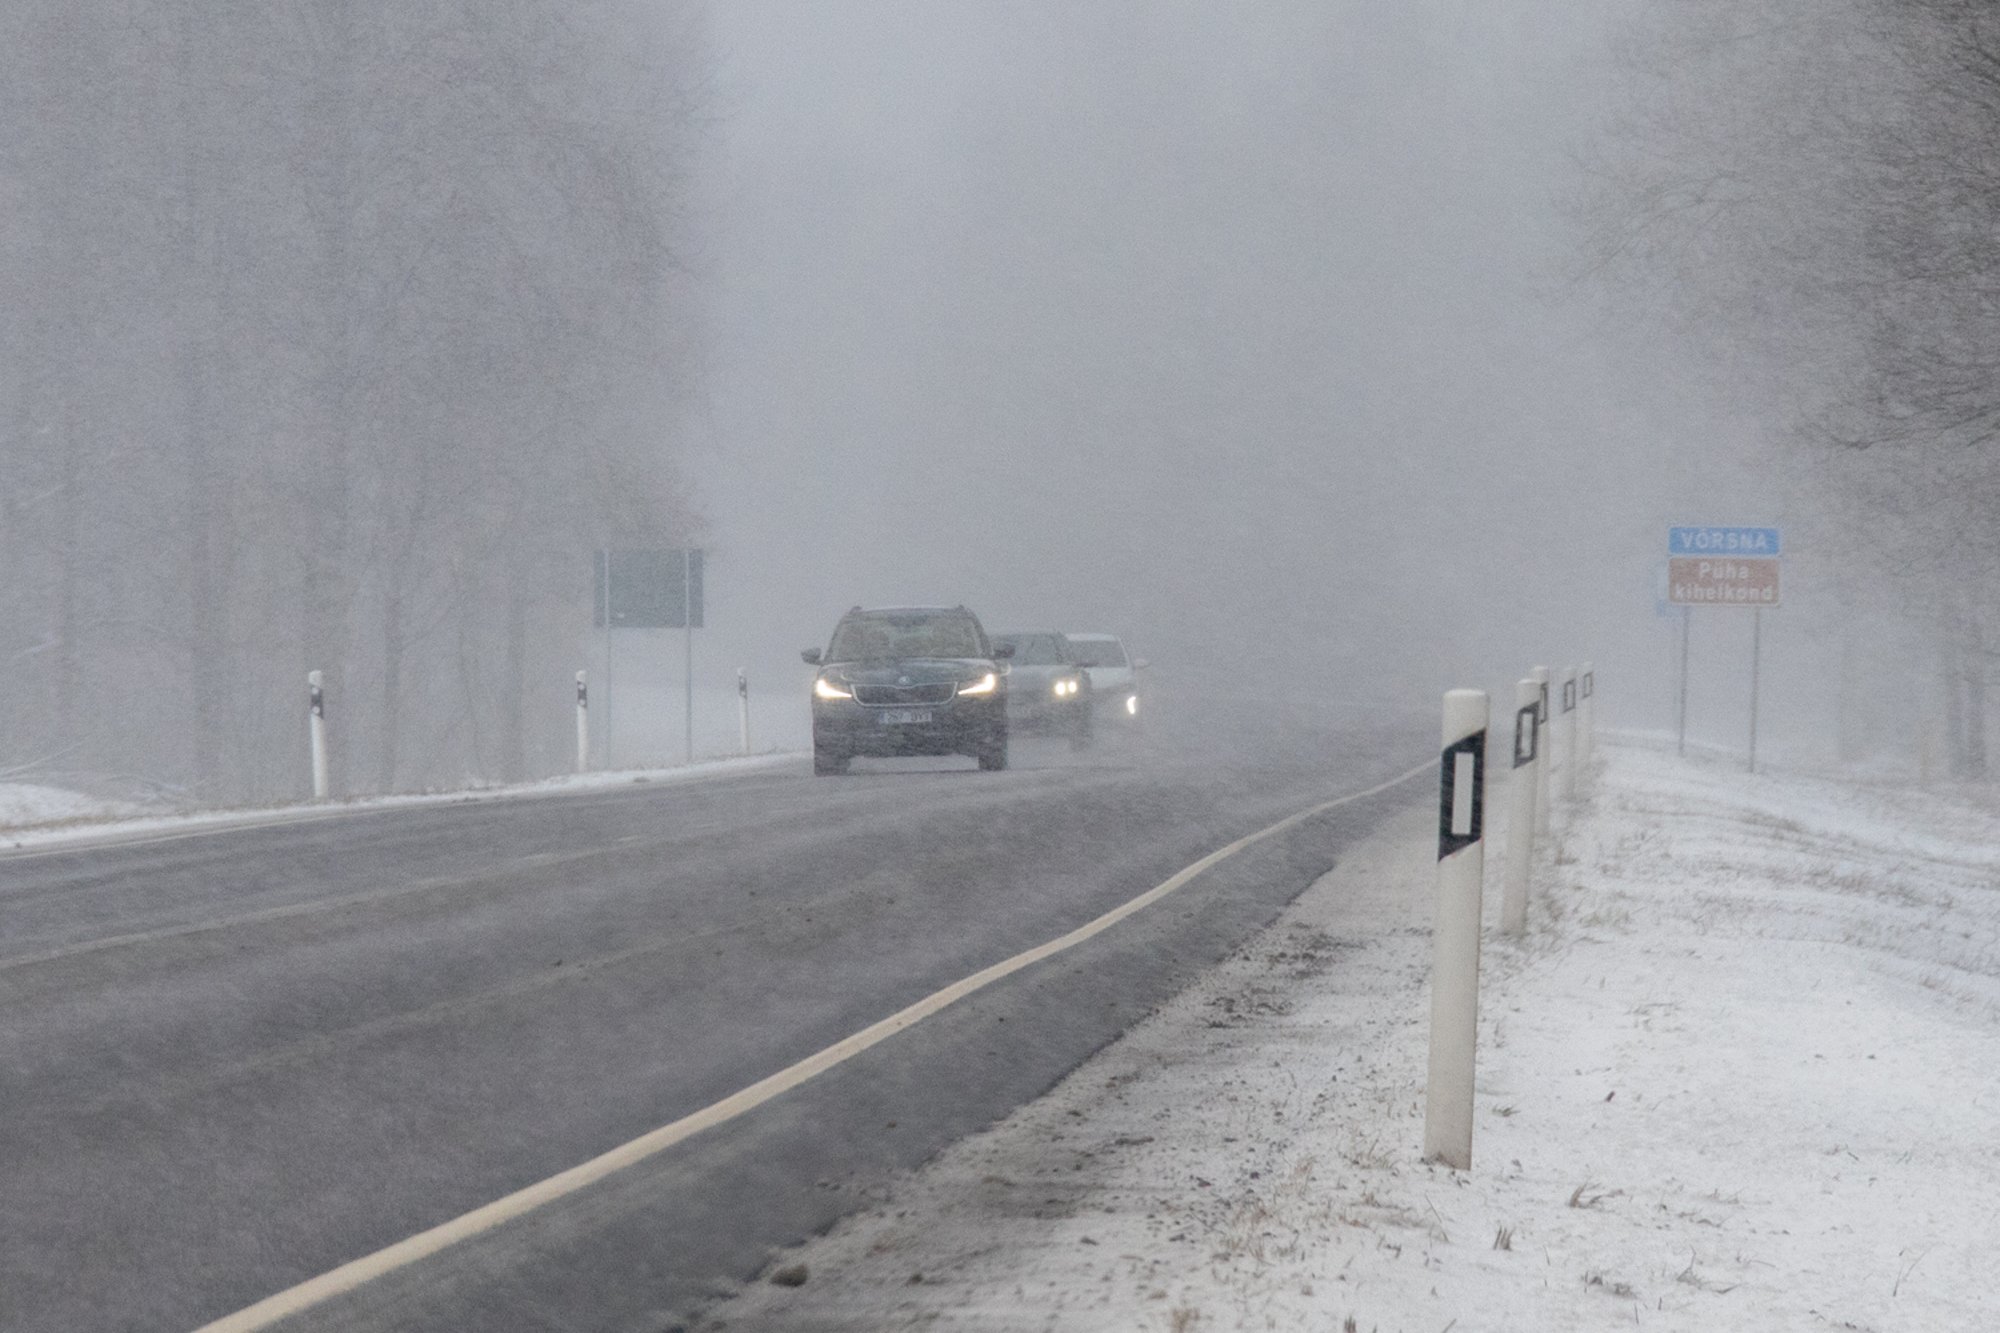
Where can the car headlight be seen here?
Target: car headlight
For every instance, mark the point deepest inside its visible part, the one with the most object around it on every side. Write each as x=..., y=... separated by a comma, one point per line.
x=1065, y=688
x=986, y=684
x=826, y=689
x=1132, y=704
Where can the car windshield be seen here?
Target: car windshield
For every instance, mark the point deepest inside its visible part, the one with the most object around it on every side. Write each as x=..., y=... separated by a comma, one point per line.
x=1099, y=652
x=1034, y=649
x=911, y=634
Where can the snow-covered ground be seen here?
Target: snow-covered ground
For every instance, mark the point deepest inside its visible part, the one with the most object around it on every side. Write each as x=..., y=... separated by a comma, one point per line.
x=30, y=804
x=39, y=816
x=1742, y=1073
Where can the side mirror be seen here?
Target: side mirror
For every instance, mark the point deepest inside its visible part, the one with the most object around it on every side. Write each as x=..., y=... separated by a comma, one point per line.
x=1002, y=651
x=1140, y=664
x=810, y=657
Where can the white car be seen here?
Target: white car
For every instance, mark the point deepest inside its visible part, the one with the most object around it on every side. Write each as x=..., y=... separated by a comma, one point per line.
x=1114, y=681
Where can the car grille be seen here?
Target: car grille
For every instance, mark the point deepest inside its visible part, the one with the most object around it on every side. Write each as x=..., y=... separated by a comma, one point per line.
x=898, y=696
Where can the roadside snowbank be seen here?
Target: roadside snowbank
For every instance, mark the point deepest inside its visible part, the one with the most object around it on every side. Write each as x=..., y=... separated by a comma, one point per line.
x=26, y=803
x=35, y=803
x=1740, y=1074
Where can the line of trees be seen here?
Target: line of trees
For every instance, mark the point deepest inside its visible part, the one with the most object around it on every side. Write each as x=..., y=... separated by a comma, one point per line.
x=331, y=336
x=1809, y=190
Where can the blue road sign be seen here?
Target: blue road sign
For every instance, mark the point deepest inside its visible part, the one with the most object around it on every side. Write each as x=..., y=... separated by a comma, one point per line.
x=1722, y=541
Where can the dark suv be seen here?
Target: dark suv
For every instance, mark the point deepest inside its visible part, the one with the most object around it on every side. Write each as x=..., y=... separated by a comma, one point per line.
x=908, y=680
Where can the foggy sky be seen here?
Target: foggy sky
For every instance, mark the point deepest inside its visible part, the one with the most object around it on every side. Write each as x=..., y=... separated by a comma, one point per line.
x=1243, y=331
x=1260, y=334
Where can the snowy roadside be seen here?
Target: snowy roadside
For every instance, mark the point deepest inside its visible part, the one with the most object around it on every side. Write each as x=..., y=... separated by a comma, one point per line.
x=35, y=816
x=1743, y=1072
x=33, y=804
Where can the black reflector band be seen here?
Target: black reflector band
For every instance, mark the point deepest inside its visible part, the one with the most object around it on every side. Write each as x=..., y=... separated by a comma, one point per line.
x=1461, y=794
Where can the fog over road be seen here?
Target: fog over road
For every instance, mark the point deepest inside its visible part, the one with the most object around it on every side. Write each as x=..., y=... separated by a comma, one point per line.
x=237, y=1060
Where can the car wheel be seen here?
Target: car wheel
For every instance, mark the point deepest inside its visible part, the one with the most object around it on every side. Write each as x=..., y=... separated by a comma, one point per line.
x=829, y=762
x=992, y=753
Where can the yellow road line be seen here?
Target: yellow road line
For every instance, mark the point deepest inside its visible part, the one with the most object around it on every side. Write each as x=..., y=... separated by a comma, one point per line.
x=403, y=1253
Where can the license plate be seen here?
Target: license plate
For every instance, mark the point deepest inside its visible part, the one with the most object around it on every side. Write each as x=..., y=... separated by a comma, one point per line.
x=892, y=717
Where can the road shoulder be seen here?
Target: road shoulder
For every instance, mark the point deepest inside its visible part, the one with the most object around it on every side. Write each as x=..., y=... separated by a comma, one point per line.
x=86, y=829
x=1738, y=1074
x=1203, y=1137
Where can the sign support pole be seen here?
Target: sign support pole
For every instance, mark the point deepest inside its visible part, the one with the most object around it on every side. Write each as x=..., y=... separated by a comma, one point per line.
x=609, y=639
x=1756, y=655
x=687, y=650
x=1681, y=745
x=1723, y=566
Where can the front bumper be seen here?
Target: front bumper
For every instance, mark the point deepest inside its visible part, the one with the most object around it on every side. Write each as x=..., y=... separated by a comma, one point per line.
x=1049, y=716
x=959, y=726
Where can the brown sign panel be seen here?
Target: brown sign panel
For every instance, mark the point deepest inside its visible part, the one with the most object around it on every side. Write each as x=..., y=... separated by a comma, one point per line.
x=1722, y=581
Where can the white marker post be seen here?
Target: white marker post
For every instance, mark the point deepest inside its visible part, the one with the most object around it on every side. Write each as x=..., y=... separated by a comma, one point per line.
x=582, y=722
x=1541, y=678
x=1587, y=718
x=743, y=706
x=1455, y=933
x=1521, y=806
x=316, y=732
x=1569, y=733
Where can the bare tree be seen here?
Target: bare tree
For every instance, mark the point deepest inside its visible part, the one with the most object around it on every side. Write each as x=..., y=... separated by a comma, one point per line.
x=331, y=331
x=1808, y=190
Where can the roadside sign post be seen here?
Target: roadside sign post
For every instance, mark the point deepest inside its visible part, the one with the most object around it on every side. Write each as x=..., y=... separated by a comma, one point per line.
x=687, y=654
x=651, y=588
x=582, y=723
x=316, y=732
x=1455, y=933
x=1681, y=730
x=743, y=706
x=1541, y=679
x=1521, y=806
x=604, y=619
x=1756, y=654
x=1718, y=566
x=1569, y=686
x=1586, y=716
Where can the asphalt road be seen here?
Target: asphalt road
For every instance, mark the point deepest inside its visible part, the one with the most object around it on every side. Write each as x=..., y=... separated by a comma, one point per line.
x=231, y=1062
